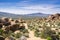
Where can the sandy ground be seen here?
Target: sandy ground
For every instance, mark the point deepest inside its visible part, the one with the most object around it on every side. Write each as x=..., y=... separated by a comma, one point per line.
x=31, y=35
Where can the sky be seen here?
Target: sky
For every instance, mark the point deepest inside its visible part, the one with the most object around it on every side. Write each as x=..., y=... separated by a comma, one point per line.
x=30, y=6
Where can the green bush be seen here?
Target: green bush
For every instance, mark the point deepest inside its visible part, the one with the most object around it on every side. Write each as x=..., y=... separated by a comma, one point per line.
x=49, y=38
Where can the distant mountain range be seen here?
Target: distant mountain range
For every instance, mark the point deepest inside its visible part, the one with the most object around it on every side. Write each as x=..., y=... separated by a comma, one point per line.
x=5, y=14
x=38, y=14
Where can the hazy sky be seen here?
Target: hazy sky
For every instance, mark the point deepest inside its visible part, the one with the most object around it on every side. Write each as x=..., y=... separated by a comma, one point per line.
x=30, y=6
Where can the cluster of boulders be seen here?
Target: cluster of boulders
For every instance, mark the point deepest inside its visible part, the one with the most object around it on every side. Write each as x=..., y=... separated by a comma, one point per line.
x=54, y=17
x=8, y=24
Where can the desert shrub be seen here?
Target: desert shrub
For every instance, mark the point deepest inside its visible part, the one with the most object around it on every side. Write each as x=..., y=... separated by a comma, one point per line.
x=47, y=32
x=37, y=33
x=13, y=34
x=1, y=31
x=22, y=28
x=24, y=31
x=31, y=27
x=43, y=35
x=49, y=38
x=59, y=24
x=7, y=34
x=59, y=33
x=18, y=35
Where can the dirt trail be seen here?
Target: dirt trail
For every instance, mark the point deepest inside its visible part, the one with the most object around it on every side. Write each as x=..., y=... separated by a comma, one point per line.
x=31, y=35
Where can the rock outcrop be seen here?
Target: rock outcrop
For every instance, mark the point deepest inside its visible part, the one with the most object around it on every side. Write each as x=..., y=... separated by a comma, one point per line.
x=54, y=17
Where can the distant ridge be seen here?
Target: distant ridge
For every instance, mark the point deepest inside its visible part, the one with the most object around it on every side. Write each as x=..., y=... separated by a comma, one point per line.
x=5, y=14
x=38, y=14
